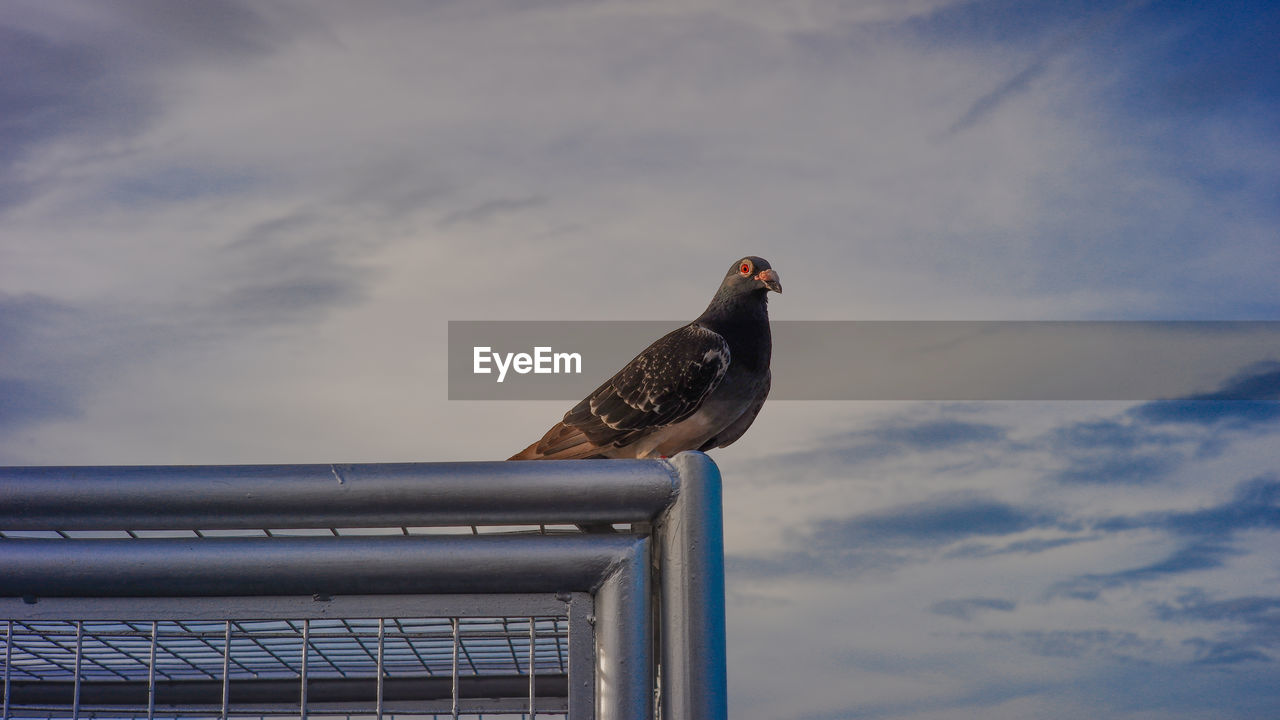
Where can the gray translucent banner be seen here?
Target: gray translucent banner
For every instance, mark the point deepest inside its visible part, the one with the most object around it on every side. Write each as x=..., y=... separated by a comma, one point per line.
x=897, y=360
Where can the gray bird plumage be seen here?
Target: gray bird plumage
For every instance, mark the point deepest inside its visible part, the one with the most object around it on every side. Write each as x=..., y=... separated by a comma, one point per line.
x=698, y=387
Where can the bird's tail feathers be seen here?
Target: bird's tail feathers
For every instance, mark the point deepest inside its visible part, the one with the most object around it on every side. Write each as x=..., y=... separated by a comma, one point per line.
x=561, y=442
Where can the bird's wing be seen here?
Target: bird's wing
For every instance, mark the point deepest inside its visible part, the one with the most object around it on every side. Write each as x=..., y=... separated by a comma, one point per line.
x=664, y=384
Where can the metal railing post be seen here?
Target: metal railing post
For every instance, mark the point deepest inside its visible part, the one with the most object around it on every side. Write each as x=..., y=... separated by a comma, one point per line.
x=690, y=537
x=624, y=638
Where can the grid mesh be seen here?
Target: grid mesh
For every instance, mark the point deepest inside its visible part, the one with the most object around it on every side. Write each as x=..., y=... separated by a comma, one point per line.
x=430, y=667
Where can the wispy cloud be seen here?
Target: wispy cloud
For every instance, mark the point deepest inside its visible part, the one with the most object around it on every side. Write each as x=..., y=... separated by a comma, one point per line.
x=968, y=608
x=1109, y=644
x=1148, y=442
x=1021, y=81
x=930, y=523
x=1250, y=399
x=1256, y=504
x=1252, y=631
x=491, y=208
x=891, y=538
x=1204, y=538
x=50, y=353
x=86, y=73
x=889, y=439
x=1190, y=558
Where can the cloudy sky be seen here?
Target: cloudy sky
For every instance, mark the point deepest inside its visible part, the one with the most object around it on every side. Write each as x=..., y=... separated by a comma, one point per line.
x=235, y=232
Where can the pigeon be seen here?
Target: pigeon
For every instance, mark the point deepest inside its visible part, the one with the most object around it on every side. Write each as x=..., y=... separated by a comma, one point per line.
x=698, y=387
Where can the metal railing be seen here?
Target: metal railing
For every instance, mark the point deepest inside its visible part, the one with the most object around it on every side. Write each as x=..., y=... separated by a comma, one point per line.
x=436, y=589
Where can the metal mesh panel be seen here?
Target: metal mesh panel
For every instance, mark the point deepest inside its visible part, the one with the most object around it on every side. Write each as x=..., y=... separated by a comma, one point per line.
x=426, y=666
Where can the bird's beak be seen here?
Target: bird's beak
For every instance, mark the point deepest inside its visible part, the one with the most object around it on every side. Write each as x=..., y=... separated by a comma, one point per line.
x=770, y=280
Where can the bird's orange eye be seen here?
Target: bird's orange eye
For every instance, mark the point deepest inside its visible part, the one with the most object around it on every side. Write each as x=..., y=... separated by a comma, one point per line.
x=745, y=269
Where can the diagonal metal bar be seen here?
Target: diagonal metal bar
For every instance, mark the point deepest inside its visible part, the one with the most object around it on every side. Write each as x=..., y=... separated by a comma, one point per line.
x=257, y=639
x=27, y=629
x=466, y=655
x=426, y=664
x=203, y=639
x=511, y=646
x=105, y=638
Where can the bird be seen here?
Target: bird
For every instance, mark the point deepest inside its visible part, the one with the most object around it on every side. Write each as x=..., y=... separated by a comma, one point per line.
x=698, y=387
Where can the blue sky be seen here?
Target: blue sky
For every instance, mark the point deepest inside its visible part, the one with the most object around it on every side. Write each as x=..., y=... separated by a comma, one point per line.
x=235, y=232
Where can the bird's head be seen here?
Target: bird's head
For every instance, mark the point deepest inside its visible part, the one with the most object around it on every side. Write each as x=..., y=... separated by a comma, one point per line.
x=752, y=274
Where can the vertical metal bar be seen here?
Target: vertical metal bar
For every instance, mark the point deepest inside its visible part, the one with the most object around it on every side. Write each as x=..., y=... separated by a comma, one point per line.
x=382, y=641
x=226, y=670
x=624, y=637
x=533, y=638
x=151, y=671
x=455, y=668
x=562, y=638
x=306, y=651
x=690, y=537
x=8, y=664
x=75, y=699
x=582, y=657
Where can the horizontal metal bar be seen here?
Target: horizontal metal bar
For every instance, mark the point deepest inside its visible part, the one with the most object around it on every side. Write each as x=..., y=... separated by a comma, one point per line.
x=310, y=565
x=267, y=692
x=158, y=497
x=290, y=608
